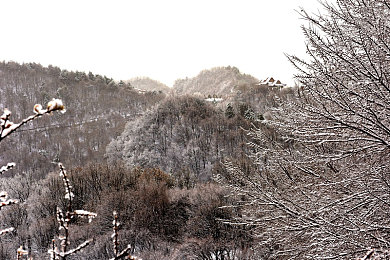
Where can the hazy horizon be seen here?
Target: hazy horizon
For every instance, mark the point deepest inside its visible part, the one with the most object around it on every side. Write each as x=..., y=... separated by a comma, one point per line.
x=164, y=41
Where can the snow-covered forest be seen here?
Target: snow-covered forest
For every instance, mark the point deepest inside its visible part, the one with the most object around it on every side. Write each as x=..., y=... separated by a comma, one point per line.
x=221, y=166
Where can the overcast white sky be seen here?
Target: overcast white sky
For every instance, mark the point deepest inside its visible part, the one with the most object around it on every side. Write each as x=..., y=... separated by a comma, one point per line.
x=162, y=39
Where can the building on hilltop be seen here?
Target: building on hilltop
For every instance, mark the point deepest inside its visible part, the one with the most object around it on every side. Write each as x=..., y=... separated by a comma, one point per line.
x=271, y=82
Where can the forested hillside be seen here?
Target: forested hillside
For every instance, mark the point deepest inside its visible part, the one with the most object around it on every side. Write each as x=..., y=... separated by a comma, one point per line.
x=223, y=167
x=219, y=81
x=159, y=171
x=165, y=163
x=97, y=110
x=184, y=136
x=148, y=84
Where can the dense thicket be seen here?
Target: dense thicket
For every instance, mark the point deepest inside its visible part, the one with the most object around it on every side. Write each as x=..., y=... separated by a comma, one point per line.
x=158, y=219
x=186, y=137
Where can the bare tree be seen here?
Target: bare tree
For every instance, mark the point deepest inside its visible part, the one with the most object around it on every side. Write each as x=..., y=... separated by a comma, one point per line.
x=125, y=252
x=64, y=221
x=322, y=190
x=7, y=127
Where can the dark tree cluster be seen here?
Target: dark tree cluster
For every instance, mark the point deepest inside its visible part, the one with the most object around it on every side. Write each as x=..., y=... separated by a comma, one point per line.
x=157, y=219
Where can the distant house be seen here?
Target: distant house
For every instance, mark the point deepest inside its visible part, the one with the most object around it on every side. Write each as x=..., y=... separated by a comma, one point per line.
x=141, y=91
x=271, y=82
x=214, y=100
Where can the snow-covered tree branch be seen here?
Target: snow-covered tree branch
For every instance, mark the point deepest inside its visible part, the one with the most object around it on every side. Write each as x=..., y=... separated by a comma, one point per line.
x=125, y=252
x=322, y=189
x=7, y=127
x=64, y=220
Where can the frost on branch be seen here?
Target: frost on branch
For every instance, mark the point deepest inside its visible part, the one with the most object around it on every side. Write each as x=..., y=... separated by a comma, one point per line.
x=4, y=201
x=7, y=127
x=55, y=104
x=5, y=231
x=124, y=252
x=64, y=219
x=322, y=190
x=20, y=253
x=68, y=188
x=7, y=167
x=38, y=109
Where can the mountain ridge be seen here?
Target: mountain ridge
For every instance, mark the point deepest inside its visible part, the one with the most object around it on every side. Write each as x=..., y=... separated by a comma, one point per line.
x=217, y=81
